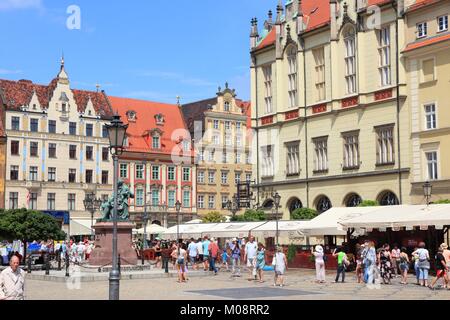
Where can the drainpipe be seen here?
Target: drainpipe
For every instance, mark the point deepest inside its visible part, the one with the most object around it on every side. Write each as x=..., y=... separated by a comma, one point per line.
x=302, y=43
x=397, y=67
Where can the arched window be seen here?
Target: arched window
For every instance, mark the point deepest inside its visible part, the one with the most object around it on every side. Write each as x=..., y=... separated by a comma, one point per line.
x=350, y=60
x=388, y=198
x=292, y=76
x=323, y=204
x=156, y=142
x=227, y=106
x=294, y=204
x=353, y=200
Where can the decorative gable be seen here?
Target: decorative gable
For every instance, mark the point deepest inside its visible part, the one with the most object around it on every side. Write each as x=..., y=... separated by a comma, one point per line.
x=33, y=105
x=89, y=111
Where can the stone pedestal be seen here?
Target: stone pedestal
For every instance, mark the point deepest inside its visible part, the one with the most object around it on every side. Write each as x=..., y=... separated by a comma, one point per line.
x=102, y=253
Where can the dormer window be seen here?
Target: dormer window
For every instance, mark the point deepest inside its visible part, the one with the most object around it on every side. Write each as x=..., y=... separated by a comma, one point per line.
x=159, y=118
x=156, y=142
x=64, y=107
x=186, y=145
x=227, y=106
x=34, y=106
x=131, y=115
x=90, y=112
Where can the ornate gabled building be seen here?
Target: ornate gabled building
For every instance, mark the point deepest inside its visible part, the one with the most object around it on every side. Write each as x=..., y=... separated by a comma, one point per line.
x=2, y=157
x=158, y=162
x=329, y=104
x=220, y=127
x=57, y=148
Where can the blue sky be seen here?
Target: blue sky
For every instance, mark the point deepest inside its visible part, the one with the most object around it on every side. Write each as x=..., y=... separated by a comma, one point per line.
x=146, y=49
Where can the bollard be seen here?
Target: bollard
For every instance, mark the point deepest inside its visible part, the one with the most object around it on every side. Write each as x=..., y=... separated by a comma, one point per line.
x=29, y=264
x=59, y=259
x=118, y=264
x=67, y=264
x=47, y=264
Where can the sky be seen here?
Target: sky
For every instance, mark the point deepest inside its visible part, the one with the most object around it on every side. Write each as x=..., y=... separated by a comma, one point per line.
x=145, y=49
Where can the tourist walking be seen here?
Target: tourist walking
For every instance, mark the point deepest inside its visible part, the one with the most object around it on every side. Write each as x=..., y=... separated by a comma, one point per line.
x=206, y=259
x=80, y=252
x=193, y=253
x=213, y=250
x=181, y=258
x=441, y=269
x=12, y=281
x=280, y=266
x=235, y=258
x=384, y=258
x=404, y=265
x=199, y=251
x=342, y=263
x=395, y=260
x=260, y=261
x=415, y=261
x=446, y=254
x=423, y=264
x=250, y=257
x=359, y=263
x=225, y=257
x=320, y=263
x=158, y=253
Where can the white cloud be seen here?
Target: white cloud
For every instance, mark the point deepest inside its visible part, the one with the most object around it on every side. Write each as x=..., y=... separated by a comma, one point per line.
x=20, y=4
x=5, y=71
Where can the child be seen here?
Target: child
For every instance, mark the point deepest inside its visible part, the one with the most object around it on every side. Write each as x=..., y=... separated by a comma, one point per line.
x=225, y=257
x=280, y=267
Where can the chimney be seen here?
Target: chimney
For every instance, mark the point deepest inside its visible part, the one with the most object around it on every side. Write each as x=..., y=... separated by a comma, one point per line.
x=254, y=33
x=279, y=12
x=300, y=25
x=333, y=17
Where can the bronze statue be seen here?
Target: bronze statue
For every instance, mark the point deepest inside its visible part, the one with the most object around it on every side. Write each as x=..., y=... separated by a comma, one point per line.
x=124, y=194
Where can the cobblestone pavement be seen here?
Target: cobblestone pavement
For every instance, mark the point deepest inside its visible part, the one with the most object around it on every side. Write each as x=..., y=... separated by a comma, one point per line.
x=300, y=285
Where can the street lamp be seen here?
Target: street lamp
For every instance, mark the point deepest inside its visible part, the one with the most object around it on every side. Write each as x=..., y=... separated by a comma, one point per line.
x=117, y=134
x=92, y=204
x=427, y=188
x=276, y=198
x=178, y=208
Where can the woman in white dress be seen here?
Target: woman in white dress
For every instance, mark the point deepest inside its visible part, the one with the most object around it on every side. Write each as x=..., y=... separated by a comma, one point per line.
x=280, y=266
x=320, y=263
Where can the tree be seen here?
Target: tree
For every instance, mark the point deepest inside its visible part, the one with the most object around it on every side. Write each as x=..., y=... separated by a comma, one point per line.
x=369, y=203
x=442, y=201
x=303, y=214
x=213, y=217
x=251, y=215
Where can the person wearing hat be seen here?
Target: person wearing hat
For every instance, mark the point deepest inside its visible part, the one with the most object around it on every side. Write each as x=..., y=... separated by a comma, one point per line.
x=320, y=263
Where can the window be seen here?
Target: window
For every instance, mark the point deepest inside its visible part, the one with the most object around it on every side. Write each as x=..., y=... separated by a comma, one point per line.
x=267, y=71
x=237, y=177
x=442, y=23
x=155, y=142
x=72, y=151
x=34, y=125
x=216, y=124
x=14, y=173
x=215, y=140
x=227, y=106
x=186, y=174
x=267, y=161
x=350, y=62
x=248, y=177
x=432, y=165
x=72, y=175
x=224, y=178
x=384, y=52
x=186, y=145
x=14, y=200
x=123, y=171
x=171, y=173
x=33, y=149
x=51, y=126
x=248, y=158
x=155, y=197
x=15, y=148
x=321, y=154
x=211, y=202
x=293, y=159
x=292, y=76
x=422, y=29
x=211, y=177
x=71, y=201
x=201, y=202
x=51, y=201
x=228, y=140
x=224, y=201
x=227, y=125
x=201, y=155
x=139, y=197
x=238, y=126
x=88, y=176
x=73, y=128
x=51, y=174
x=171, y=198
x=105, y=179
x=89, y=130
x=430, y=116
x=211, y=156
x=105, y=154
x=105, y=132
x=201, y=177
x=385, y=145
x=139, y=171
x=224, y=157
x=351, y=151
x=186, y=199
x=428, y=70
x=238, y=157
x=155, y=172
x=32, y=204
x=33, y=173
x=15, y=123
x=52, y=150
x=89, y=152
x=319, y=58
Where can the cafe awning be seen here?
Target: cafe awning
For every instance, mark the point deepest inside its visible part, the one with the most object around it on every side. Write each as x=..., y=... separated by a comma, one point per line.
x=187, y=231
x=291, y=229
x=233, y=229
x=79, y=227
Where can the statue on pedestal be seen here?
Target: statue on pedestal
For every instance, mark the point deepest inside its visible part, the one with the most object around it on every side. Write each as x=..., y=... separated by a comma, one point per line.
x=124, y=194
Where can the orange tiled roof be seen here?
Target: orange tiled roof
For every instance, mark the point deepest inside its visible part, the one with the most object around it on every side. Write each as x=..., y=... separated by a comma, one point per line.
x=426, y=42
x=268, y=40
x=420, y=4
x=247, y=110
x=138, y=131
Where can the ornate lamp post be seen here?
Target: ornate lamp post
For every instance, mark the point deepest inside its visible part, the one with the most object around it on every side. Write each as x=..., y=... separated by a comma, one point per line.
x=178, y=208
x=276, y=198
x=117, y=134
x=427, y=189
x=92, y=204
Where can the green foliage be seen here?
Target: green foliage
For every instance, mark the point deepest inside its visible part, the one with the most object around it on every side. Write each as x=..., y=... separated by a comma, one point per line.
x=292, y=251
x=369, y=203
x=29, y=225
x=303, y=214
x=443, y=201
x=250, y=215
x=213, y=217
